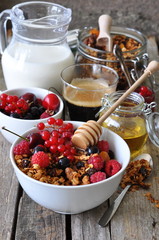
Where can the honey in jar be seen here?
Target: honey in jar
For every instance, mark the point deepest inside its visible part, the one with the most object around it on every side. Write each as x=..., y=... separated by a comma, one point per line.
x=128, y=120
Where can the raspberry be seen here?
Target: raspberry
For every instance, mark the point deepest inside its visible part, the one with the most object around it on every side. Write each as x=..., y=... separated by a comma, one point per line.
x=97, y=177
x=103, y=146
x=40, y=158
x=112, y=167
x=22, y=148
x=97, y=161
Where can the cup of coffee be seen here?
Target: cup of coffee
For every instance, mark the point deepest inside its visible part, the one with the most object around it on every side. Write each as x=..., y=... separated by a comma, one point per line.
x=83, y=87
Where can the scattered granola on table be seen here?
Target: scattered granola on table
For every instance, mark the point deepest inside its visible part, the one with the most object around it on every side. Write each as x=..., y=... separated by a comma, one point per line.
x=135, y=174
x=152, y=199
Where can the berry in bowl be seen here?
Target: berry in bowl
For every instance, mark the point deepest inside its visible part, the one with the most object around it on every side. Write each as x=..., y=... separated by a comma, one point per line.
x=63, y=178
x=22, y=109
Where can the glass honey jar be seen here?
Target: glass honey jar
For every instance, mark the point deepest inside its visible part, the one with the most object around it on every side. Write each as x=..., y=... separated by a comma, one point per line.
x=128, y=120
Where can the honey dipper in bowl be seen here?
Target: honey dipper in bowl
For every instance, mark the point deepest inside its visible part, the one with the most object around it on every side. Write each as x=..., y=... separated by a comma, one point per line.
x=90, y=132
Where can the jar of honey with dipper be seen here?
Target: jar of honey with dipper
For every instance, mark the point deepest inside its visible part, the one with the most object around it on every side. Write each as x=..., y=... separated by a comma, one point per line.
x=127, y=112
x=128, y=120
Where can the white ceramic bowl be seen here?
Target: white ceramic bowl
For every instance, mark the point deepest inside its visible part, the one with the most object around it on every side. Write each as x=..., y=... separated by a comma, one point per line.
x=75, y=199
x=19, y=126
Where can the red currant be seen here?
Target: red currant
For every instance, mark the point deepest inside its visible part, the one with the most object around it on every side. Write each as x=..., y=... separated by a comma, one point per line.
x=55, y=133
x=68, y=145
x=41, y=126
x=51, y=121
x=59, y=122
x=18, y=111
x=20, y=103
x=66, y=152
x=73, y=150
x=70, y=157
x=67, y=134
x=45, y=135
x=3, y=96
x=61, y=148
x=69, y=126
x=47, y=143
x=9, y=99
x=2, y=105
x=53, y=148
x=15, y=98
x=53, y=140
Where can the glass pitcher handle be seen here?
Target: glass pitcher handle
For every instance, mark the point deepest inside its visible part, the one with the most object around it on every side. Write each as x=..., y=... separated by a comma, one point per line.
x=4, y=17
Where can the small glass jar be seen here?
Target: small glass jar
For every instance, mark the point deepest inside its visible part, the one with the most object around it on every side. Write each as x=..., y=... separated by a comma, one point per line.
x=128, y=120
x=87, y=54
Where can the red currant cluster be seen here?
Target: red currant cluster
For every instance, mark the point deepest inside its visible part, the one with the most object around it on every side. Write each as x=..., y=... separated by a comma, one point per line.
x=13, y=104
x=58, y=140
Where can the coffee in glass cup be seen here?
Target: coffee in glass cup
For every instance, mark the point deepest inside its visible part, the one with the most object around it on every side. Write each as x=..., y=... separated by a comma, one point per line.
x=84, y=85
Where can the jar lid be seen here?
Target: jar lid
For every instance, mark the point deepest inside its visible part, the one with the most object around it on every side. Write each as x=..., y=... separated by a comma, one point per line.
x=153, y=128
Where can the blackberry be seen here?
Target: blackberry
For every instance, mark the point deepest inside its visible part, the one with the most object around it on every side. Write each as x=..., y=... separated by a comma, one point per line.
x=91, y=171
x=39, y=148
x=35, y=112
x=41, y=109
x=28, y=116
x=51, y=172
x=92, y=149
x=143, y=171
x=63, y=163
x=80, y=164
x=25, y=163
x=15, y=115
x=111, y=154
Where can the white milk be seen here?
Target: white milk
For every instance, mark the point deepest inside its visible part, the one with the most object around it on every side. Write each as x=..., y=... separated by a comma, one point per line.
x=27, y=65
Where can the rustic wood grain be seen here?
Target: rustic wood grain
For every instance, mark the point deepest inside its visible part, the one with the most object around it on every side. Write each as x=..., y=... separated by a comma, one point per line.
x=36, y=222
x=9, y=187
x=85, y=225
x=8, y=192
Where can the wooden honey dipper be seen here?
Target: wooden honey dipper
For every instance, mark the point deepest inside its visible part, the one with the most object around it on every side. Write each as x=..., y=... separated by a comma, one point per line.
x=90, y=132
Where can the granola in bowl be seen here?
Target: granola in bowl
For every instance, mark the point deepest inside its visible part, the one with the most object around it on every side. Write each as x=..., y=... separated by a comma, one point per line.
x=50, y=157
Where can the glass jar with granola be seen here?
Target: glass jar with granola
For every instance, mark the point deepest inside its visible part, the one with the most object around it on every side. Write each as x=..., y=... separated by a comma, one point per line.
x=132, y=43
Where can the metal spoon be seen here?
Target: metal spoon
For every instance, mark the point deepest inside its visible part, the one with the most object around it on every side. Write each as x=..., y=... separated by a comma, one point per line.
x=109, y=213
x=119, y=55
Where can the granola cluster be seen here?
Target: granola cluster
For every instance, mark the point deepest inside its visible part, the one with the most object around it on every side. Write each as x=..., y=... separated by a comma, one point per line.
x=135, y=175
x=149, y=196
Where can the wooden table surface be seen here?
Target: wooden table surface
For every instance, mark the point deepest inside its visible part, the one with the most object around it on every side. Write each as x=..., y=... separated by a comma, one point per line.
x=23, y=219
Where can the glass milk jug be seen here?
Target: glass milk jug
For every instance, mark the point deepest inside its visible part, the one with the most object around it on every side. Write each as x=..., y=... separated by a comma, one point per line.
x=38, y=50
